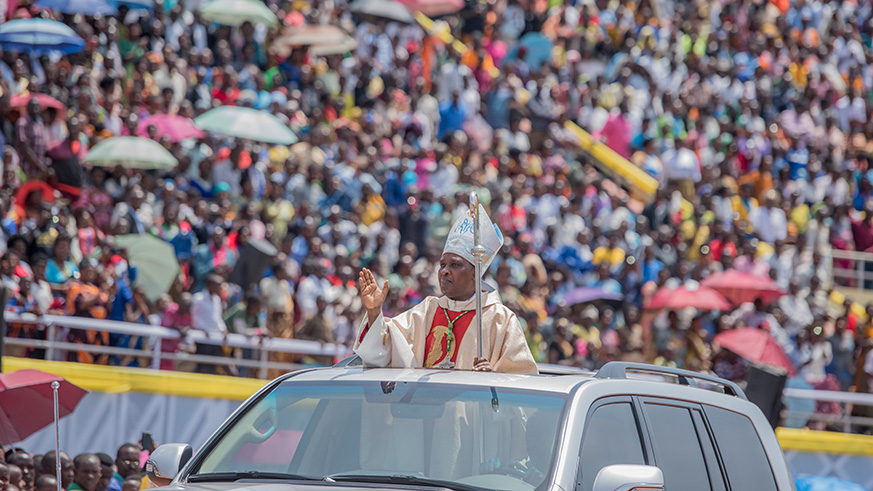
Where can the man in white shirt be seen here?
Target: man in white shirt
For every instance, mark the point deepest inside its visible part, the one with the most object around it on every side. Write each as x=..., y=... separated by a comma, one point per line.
x=796, y=308
x=769, y=220
x=207, y=309
x=207, y=316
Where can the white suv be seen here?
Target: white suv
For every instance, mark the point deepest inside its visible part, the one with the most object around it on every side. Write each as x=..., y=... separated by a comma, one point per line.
x=623, y=428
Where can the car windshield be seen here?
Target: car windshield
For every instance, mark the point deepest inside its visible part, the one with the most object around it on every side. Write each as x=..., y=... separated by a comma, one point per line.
x=471, y=436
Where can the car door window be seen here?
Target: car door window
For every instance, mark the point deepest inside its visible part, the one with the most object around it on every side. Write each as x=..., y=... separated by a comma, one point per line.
x=611, y=436
x=742, y=452
x=677, y=449
x=716, y=474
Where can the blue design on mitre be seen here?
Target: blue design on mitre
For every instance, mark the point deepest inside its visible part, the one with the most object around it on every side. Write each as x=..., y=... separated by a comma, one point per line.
x=460, y=240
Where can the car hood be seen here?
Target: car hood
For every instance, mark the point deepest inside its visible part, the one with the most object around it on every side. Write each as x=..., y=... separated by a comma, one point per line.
x=288, y=486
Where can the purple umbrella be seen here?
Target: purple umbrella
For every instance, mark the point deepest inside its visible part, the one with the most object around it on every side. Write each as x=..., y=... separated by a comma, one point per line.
x=586, y=294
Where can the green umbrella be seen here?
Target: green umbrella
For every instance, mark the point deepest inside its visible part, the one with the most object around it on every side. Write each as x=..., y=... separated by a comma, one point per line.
x=248, y=123
x=235, y=12
x=132, y=152
x=155, y=261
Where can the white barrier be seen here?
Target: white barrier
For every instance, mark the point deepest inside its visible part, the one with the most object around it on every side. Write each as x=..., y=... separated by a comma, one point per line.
x=260, y=346
x=846, y=400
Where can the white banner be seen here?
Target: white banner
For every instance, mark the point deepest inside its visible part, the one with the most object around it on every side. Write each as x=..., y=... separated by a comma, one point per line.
x=103, y=422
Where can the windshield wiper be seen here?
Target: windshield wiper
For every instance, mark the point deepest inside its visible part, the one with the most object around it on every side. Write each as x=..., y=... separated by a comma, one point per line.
x=403, y=479
x=237, y=475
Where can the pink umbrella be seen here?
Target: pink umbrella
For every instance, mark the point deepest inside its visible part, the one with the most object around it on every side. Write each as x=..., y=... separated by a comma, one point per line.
x=45, y=101
x=26, y=402
x=434, y=8
x=756, y=345
x=699, y=297
x=177, y=128
x=741, y=287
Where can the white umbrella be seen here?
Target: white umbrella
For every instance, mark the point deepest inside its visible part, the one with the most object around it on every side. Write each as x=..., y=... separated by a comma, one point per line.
x=248, y=123
x=347, y=44
x=236, y=12
x=386, y=9
x=131, y=152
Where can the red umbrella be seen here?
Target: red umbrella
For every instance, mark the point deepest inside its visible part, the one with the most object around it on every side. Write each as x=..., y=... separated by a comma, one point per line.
x=739, y=287
x=757, y=346
x=689, y=295
x=177, y=128
x=48, y=193
x=45, y=100
x=26, y=402
x=434, y=8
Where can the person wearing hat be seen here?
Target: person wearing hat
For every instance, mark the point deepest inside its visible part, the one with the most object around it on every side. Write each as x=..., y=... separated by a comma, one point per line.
x=441, y=331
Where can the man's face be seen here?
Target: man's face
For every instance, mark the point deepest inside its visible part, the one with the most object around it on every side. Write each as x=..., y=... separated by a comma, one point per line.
x=457, y=277
x=128, y=462
x=4, y=477
x=106, y=473
x=68, y=470
x=25, y=462
x=88, y=473
x=33, y=108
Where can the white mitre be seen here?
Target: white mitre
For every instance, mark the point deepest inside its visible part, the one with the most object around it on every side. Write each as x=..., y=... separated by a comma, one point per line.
x=460, y=240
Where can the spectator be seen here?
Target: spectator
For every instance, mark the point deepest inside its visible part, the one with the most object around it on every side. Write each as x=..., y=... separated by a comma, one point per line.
x=178, y=316
x=132, y=484
x=15, y=483
x=59, y=268
x=88, y=473
x=32, y=140
x=107, y=470
x=207, y=315
x=24, y=462
x=126, y=465
x=68, y=469
x=45, y=482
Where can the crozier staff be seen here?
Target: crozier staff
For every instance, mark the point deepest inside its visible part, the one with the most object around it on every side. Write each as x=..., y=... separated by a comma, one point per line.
x=441, y=331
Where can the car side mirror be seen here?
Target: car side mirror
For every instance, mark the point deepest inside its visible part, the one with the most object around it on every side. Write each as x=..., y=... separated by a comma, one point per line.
x=166, y=461
x=629, y=478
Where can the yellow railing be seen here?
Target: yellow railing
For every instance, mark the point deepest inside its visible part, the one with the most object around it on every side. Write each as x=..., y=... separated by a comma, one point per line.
x=803, y=440
x=121, y=379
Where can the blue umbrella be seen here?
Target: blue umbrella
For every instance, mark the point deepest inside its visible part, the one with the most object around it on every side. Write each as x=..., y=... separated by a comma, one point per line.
x=39, y=36
x=822, y=483
x=537, y=46
x=84, y=7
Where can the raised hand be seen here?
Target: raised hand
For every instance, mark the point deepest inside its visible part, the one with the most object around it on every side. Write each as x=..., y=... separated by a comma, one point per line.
x=371, y=295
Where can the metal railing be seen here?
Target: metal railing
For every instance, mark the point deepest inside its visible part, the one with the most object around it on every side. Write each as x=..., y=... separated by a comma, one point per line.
x=857, y=274
x=56, y=343
x=847, y=401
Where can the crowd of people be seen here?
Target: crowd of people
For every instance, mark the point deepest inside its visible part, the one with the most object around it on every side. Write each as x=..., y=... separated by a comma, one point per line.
x=22, y=471
x=752, y=115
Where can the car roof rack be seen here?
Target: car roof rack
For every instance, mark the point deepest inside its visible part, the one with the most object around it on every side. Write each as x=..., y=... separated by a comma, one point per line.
x=620, y=369
x=554, y=369
x=351, y=361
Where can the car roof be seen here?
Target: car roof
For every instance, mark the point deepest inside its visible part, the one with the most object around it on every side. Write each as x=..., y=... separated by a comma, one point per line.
x=560, y=384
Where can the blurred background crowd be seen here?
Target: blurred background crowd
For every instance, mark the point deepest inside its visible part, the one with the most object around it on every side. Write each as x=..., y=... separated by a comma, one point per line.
x=751, y=115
